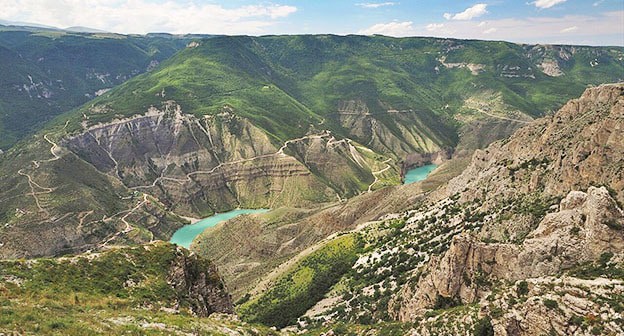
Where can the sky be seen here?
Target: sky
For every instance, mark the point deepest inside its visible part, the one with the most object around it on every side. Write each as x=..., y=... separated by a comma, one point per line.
x=590, y=22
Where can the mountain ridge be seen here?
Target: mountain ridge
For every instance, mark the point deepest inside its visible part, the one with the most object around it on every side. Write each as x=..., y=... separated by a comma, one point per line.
x=227, y=121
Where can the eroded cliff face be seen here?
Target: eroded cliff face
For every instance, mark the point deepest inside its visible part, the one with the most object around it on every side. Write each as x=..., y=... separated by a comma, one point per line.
x=200, y=165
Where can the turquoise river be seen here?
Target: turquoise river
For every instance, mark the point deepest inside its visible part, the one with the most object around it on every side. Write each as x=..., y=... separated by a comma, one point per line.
x=418, y=174
x=185, y=235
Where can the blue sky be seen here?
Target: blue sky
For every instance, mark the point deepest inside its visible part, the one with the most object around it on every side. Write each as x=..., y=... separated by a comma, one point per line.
x=595, y=22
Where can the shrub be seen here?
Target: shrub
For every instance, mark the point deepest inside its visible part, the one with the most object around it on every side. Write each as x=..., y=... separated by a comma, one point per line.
x=605, y=258
x=484, y=327
x=443, y=302
x=497, y=312
x=576, y=320
x=550, y=304
x=613, y=224
x=523, y=288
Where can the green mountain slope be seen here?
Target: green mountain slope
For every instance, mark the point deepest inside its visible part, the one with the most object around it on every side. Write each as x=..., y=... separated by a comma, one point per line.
x=290, y=84
x=45, y=72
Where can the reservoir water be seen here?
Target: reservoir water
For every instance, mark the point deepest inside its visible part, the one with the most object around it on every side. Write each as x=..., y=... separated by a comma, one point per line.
x=185, y=235
x=419, y=173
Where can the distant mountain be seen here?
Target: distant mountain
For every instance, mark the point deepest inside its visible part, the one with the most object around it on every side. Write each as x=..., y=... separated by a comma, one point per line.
x=25, y=24
x=47, y=72
x=16, y=25
x=80, y=29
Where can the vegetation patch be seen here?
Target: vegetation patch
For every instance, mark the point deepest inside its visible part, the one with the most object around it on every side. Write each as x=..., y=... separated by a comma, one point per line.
x=304, y=285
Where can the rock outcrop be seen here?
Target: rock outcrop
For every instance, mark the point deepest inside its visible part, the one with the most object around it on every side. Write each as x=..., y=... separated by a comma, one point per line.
x=197, y=282
x=577, y=147
x=559, y=305
x=586, y=226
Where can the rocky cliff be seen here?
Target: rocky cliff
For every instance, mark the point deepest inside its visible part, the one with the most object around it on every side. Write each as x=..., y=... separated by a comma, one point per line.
x=525, y=233
x=586, y=226
x=197, y=282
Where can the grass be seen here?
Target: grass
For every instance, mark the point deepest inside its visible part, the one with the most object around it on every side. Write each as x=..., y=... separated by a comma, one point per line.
x=105, y=277
x=115, y=292
x=85, y=319
x=305, y=284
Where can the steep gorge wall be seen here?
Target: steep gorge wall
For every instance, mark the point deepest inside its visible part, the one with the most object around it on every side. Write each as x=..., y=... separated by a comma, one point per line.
x=397, y=133
x=197, y=166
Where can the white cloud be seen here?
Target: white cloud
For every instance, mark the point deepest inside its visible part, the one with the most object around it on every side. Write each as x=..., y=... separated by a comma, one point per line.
x=376, y=4
x=434, y=26
x=143, y=16
x=599, y=29
x=547, y=3
x=469, y=14
x=598, y=3
x=481, y=24
x=397, y=29
x=569, y=29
